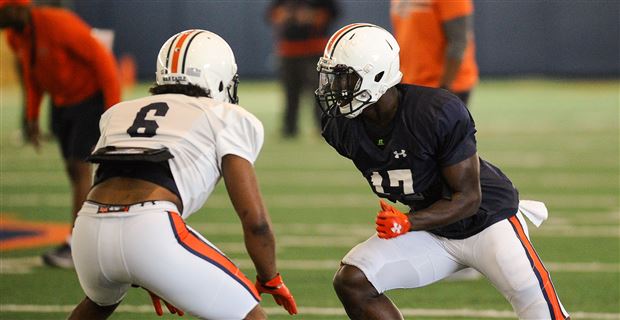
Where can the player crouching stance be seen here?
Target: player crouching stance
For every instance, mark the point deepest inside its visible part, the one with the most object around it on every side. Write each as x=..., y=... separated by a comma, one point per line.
x=417, y=145
x=159, y=158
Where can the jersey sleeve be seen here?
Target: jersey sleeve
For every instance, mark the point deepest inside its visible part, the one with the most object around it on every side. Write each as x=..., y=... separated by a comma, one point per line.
x=243, y=136
x=455, y=133
x=449, y=10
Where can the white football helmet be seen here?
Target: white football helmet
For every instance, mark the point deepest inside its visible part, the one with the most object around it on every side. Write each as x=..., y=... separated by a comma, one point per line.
x=201, y=58
x=359, y=64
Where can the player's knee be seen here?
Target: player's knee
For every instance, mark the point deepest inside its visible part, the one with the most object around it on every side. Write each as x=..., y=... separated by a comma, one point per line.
x=529, y=302
x=350, y=279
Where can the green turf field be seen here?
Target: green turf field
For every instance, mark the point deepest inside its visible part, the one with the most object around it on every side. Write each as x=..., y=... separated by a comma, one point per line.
x=557, y=140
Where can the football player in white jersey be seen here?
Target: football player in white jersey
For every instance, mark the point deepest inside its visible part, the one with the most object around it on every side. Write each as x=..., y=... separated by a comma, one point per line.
x=158, y=160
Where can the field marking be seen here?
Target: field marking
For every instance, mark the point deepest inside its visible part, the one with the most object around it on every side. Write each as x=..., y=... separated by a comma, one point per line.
x=24, y=265
x=295, y=201
x=330, y=264
x=323, y=233
x=319, y=311
x=332, y=178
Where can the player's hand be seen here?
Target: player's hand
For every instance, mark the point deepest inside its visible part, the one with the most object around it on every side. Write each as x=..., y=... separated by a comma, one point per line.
x=157, y=304
x=279, y=291
x=33, y=134
x=391, y=222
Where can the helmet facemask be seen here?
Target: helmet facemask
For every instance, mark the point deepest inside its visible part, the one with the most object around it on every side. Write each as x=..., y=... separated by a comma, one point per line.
x=339, y=91
x=231, y=89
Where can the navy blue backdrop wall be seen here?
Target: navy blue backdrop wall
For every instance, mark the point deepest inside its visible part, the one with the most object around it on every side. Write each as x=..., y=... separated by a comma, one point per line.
x=555, y=38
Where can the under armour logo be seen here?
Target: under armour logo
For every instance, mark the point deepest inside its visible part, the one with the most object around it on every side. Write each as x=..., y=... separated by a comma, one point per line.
x=400, y=154
x=396, y=228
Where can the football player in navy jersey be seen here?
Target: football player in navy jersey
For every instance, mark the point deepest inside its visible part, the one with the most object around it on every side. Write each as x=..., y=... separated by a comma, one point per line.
x=416, y=145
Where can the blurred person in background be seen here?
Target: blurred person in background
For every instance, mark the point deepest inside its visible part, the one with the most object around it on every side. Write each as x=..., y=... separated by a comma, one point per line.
x=159, y=159
x=437, y=50
x=416, y=145
x=436, y=38
x=301, y=30
x=58, y=55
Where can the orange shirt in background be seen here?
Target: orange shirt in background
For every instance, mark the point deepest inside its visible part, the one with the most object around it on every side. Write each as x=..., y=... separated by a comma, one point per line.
x=418, y=29
x=64, y=60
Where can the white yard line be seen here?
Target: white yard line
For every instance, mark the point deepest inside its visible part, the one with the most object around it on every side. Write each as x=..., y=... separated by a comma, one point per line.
x=295, y=201
x=318, y=311
x=589, y=267
x=25, y=265
x=320, y=233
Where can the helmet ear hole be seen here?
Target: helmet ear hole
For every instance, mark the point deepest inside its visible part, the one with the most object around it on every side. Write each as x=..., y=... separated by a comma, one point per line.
x=379, y=76
x=221, y=87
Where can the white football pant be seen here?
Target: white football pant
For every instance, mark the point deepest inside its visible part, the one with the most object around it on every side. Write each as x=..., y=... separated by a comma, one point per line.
x=149, y=245
x=502, y=252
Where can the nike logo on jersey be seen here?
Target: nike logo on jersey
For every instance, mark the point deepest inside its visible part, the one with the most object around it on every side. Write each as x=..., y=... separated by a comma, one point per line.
x=402, y=153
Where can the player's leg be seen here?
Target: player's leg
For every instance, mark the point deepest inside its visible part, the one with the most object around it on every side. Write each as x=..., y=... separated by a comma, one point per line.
x=87, y=309
x=292, y=82
x=360, y=298
x=412, y=260
x=104, y=289
x=77, y=130
x=80, y=178
x=506, y=256
x=182, y=267
x=60, y=256
x=82, y=122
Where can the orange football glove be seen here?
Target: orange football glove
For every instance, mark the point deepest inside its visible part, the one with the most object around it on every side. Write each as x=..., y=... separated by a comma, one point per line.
x=391, y=222
x=279, y=291
x=157, y=304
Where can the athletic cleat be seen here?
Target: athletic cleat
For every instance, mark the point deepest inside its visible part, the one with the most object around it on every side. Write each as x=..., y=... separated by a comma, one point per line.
x=59, y=257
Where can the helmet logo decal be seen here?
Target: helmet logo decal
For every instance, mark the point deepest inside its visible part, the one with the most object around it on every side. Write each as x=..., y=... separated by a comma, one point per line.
x=194, y=72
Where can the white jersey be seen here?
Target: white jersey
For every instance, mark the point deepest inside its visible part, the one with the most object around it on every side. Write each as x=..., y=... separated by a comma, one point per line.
x=197, y=131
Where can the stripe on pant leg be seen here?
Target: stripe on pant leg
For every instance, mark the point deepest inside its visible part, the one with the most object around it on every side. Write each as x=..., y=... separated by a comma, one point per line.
x=544, y=280
x=203, y=250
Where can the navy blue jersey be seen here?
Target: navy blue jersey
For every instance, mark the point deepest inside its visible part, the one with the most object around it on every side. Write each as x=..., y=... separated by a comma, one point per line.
x=431, y=129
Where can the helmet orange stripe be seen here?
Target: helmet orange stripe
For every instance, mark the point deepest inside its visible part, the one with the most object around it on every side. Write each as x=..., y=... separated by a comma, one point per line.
x=177, y=52
x=334, y=39
x=187, y=49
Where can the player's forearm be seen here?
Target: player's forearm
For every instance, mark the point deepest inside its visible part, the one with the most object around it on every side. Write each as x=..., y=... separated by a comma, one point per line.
x=445, y=212
x=456, y=32
x=451, y=69
x=260, y=243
